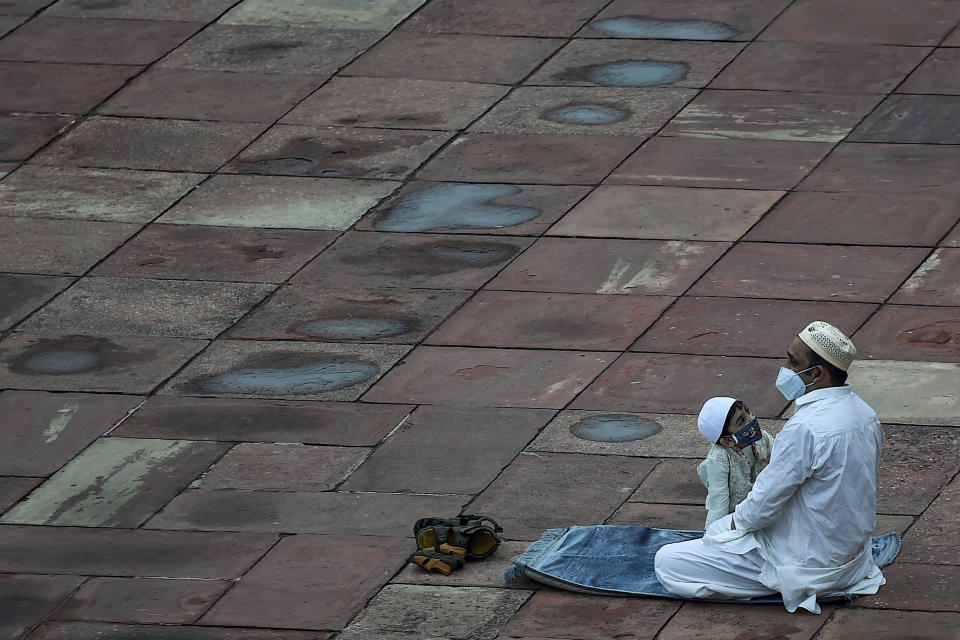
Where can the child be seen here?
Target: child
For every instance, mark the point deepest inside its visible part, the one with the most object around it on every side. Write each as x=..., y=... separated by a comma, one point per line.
x=740, y=451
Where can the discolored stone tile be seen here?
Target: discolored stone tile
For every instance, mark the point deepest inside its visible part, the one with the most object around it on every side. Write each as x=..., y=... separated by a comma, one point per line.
x=488, y=573
x=280, y=369
x=21, y=295
x=672, y=481
x=211, y=95
x=529, y=158
x=196, y=252
x=790, y=66
x=729, y=621
x=909, y=392
x=549, y=18
x=873, y=167
x=887, y=523
x=22, y=135
x=282, y=467
x=279, y=202
x=485, y=377
x=810, y=272
x=668, y=383
x=925, y=334
x=772, y=115
x=96, y=41
x=22, y=7
x=100, y=630
x=914, y=219
x=462, y=58
x=953, y=40
x=94, y=364
x=398, y=103
x=333, y=570
x=939, y=73
x=661, y=516
x=550, y=321
x=952, y=239
x=91, y=194
x=553, y=613
x=116, y=482
x=407, y=462
x=635, y=63
x=131, y=552
x=543, y=490
x=338, y=152
x=305, y=312
x=28, y=599
x=917, y=587
x=59, y=88
x=889, y=625
x=666, y=213
x=637, y=267
x=12, y=489
x=744, y=326
x=140, y=143
x=9, y=23
x=145, y=600
x=912, y=119
x=369, y=261
x=141, y=307
x=46, y=430
x=916, y=463
x=584, y=110
x=197, y=10
x=381, y=15
x=879, y=22
x=59, y=247
x=930, y=539
x=723, y=163
x=934, y=281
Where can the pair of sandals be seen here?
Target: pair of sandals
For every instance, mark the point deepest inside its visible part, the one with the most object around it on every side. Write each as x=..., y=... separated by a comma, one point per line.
x=445, y=544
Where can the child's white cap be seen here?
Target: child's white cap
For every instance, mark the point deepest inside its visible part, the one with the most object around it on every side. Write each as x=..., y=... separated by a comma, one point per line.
x=712, y=417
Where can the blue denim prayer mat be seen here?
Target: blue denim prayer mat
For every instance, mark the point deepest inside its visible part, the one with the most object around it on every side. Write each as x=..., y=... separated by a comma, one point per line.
x=618, y=560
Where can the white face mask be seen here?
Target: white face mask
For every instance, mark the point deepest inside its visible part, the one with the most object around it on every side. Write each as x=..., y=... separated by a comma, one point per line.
x=790, y=384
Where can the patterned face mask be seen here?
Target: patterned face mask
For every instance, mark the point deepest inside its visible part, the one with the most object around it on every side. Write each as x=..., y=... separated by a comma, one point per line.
x=750, y=432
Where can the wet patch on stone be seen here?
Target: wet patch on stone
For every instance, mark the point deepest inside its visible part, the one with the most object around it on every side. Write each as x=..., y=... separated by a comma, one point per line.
x=285, y=378
x=640, y=27
x=70, y=355
x=637, y=73
x=455, y=206
x=352, y=328
x=587, y=114
x=614, y=427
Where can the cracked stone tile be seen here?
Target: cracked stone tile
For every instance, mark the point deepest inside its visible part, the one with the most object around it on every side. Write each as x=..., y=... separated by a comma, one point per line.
x=21, y=295
x=59, y=247
x=59, y=88
x=380, y=15
x=909, y=392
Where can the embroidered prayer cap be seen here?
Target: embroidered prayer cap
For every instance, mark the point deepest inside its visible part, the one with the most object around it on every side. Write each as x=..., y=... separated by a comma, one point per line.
x=712, y=417
x=829, y=343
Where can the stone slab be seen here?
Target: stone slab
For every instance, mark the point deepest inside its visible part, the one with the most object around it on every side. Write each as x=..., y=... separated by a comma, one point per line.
x=368, y=261
x=744, y=326
x=22, y=135
x=279, y=202
x=529, y=158
x=198, y=252
x=913, y=219
x=554, y=614
x=12, y=489
x=396, y=103
x=147, y=307
x=91, y=194
x=143, y=143
x=661, y=516
x=568, y=110
x=91, y=364
x=723, y=621
x=488, y=573
x=94, y=40
x=722, y=163
x=539, y=491
x=887, y=523
x=924, y=334
x=99, y=631
x=9, y=23
x=333, y=570
x=59, y=247
x=615, y=267
x=381, y=15
x=545, y=18
x=28, y=599
x=912, y=119
x=889, y=625
x=282, y=467
x=21, y=295
x=787, y=116
x=46, y=430
x=916, y=587
x=116, y=482
x=834, y=67
x=934, y=282
x=407, y=461
x=810, y=272
x=287, y=370
x=489, y=377
x=327, y=423
x=550, y=321
x=673, y=481
x=878, y=167
x=939, y=73
x=142, y=600
x=338, y=152
x=123, y=552
x=635, y=63
x=909, y=392
x=22, y=7
x=667, y=383
x=673, y=213
x=195, y=11
x=459, y=57
x=915, y=465
x=59, y=88
x=211, y=95
x=929, y=540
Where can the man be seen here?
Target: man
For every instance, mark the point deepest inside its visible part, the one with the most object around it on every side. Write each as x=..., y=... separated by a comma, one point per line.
x=804, y=529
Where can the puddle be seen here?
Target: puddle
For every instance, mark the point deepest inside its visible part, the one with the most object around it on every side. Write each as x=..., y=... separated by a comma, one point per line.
x=636, y=27
x=306, y=378
x=588, y=114
x=74, y=354
x=455, y=206
x=352, y=328
x=62, y=361
x=475, y=255
x=614, y=427
x=638, y=73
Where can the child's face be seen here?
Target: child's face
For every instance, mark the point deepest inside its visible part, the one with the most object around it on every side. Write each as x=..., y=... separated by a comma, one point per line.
x=741, y=416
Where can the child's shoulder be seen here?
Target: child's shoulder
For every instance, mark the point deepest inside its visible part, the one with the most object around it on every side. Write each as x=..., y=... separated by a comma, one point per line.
x=718, y=454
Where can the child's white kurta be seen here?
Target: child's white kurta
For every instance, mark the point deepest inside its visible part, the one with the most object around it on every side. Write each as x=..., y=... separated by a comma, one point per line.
x=729, y=474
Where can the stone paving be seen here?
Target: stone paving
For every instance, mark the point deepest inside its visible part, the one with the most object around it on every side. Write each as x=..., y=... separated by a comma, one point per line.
x=280, y=277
